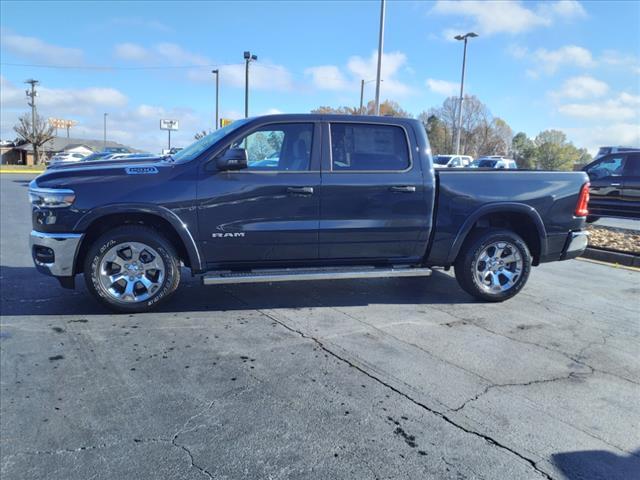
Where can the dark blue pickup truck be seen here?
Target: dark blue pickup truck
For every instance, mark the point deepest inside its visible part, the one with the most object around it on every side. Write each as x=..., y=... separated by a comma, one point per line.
x=300, y=197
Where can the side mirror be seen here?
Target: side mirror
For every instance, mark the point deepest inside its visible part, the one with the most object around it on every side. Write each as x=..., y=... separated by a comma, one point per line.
x=450, y=165
x=233, y=159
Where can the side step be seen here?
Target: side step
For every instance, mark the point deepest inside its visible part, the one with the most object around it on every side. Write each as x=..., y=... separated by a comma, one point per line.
x=296, y=274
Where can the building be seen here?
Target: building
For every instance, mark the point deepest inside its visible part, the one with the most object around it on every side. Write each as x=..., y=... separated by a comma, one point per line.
x=23, y=154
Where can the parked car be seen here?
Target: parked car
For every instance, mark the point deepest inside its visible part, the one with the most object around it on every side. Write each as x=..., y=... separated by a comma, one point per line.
x=494, y=162
x=607, y=150
x=65, y=157
x=350, y=197
x=615, y=185
x=452, y=161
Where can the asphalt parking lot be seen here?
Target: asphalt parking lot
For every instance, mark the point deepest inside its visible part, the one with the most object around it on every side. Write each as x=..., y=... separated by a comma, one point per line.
x=367, y=379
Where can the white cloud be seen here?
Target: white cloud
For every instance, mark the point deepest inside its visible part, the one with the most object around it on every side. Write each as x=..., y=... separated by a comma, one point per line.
x=272, y=111
x=264, y=75
x=131, y=51
x=621, y=108
x=592, y=138
x=327, y=77
x=32, y=48
x=618, y=59
x=581, y=87
x=551, y=60
x=512, y=17
x=366, y=68
x=442, y=87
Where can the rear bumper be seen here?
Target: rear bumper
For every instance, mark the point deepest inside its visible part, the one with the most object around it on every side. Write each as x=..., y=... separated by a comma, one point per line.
x=576, y=245
x=55, y=253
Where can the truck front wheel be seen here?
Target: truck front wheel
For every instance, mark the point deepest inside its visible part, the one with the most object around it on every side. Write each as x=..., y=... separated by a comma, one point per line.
x=132, y=268
x=493, y=265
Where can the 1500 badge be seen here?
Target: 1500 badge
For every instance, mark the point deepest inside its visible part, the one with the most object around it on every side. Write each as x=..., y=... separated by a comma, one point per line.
x=228, y=235
x=141, y=170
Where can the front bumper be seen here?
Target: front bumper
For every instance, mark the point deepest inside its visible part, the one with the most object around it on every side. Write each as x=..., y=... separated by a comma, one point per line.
x=55, y=253
x=576, y=245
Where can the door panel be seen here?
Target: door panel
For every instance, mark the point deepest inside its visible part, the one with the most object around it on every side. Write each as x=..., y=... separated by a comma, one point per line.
x=373, y=203
x=270, y=211
x=631, y=185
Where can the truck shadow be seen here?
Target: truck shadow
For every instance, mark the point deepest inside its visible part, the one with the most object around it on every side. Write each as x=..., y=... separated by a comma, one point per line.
x=26, y=292
x=597, y=465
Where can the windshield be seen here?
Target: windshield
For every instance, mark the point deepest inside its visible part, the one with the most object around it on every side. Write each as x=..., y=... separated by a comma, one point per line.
x=196, y=148
x=487, y=163
x=441, y=159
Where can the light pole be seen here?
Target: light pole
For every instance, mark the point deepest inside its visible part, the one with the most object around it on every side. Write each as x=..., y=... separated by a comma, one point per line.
x=362, y=84
x=217, y=74
x=32, y=94
x=464, y=37
x=380, y=45
x=105, y=132
x=248, y=58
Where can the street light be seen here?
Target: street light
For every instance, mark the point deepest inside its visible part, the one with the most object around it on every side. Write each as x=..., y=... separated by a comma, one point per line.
x=362, y=84
x=217, y=74
x=464, y=37
x=105, y=131
x=380, y=46
x=248, y=58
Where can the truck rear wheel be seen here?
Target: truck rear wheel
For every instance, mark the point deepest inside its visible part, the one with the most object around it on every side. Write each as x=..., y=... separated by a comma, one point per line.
x=493, y=265
x=132, y=268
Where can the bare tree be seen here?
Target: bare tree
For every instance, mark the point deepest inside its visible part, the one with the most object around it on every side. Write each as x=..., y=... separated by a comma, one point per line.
x=38, y=136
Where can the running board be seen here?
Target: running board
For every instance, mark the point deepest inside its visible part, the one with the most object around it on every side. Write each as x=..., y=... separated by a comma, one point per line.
x=296, y=274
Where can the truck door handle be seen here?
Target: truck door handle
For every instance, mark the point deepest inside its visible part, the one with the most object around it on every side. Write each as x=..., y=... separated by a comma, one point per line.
x=616, y=184
x=300, y=190
x=403, y=188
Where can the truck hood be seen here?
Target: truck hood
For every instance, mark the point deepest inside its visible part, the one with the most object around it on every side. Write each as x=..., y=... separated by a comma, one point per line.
x=103, y=171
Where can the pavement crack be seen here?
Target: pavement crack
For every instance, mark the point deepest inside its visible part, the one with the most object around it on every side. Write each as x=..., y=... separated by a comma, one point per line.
x=520, y=384
x=442, y=415
x=184, y=429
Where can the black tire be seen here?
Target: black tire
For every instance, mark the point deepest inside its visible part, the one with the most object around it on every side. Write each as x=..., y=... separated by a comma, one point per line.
x=592, y=218
x=466, y=267
x=139, y=234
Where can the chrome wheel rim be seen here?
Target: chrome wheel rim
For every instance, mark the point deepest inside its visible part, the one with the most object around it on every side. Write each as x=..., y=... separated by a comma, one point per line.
x=498, y=267
x=131, y=272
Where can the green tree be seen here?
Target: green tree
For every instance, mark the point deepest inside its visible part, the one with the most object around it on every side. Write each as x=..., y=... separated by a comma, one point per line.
x=437, y=132
x=553, y=152
x=389, y=108
x=523, y=151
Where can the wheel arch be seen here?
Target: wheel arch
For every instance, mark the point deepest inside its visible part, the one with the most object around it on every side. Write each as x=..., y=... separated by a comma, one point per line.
x=520, y=218
x=98, y=221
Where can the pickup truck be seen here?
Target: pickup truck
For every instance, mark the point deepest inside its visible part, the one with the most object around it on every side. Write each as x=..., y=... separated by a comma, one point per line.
x=300, y=197
x=615, y=185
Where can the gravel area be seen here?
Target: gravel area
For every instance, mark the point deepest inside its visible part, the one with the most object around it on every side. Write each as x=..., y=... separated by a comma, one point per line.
x=614, y=239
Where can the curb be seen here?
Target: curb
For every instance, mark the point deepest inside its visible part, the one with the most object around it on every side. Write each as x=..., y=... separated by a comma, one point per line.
x=21, y=171
x=610, y=256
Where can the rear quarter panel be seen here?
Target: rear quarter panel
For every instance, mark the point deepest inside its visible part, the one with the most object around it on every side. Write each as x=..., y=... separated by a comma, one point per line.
x=463, y=194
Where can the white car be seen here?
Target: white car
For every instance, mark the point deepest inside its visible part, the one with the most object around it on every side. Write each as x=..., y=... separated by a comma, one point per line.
x=452, y=161
x=65, y=157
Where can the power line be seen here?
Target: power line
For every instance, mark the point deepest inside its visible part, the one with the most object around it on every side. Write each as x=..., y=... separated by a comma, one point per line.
x=117, y=67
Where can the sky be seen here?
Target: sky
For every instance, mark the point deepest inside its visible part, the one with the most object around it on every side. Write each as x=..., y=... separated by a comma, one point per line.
x=568, y=65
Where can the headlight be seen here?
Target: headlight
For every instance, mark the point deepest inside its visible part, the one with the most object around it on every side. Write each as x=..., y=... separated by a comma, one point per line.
x=51, y=197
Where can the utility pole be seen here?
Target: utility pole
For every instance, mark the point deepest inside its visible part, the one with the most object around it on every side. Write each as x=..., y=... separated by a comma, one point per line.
x=217, y=74
x=464, y=37
x=380, y=46
x=248, y=58
x=32, y=94
x=105, y=132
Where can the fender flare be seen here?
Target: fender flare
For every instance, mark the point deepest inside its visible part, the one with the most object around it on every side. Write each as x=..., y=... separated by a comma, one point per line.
x=176, y=223
x=499, y=207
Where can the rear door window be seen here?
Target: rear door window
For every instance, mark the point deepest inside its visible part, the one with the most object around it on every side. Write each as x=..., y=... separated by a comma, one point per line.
x=368, y=147
x=607, y=167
